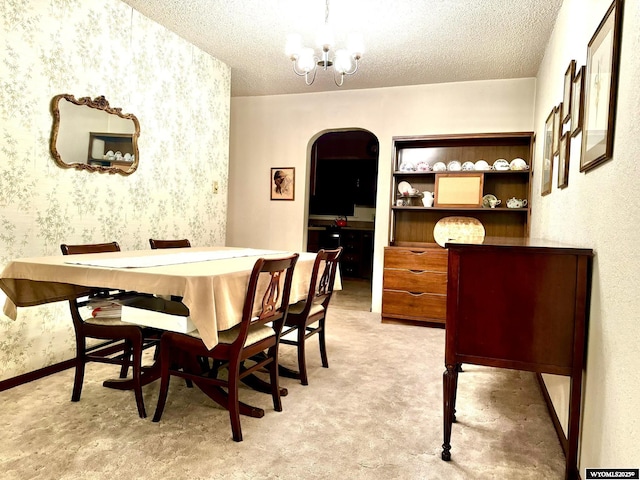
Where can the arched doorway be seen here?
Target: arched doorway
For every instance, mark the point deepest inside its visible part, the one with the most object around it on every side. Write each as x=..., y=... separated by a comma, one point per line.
x=342, y=186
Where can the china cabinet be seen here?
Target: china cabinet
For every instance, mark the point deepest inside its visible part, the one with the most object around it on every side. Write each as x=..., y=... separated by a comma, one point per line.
x=419, y=164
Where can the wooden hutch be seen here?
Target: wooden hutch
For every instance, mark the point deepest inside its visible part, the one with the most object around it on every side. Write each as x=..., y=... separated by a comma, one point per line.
x=415, y=266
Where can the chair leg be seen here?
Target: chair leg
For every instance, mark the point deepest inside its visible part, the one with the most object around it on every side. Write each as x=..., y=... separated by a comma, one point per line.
x=302, y=356
x=165, y=359
x=323, y=346
x=80, y=365
x=274, y=379
x=233, y=406
x=126, y=359
x=137, y=386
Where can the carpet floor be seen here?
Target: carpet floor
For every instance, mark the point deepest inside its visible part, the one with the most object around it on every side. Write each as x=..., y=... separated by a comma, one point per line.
x=376, y=413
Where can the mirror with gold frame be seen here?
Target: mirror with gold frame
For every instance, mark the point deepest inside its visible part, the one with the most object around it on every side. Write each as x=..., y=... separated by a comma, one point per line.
x=89, y=134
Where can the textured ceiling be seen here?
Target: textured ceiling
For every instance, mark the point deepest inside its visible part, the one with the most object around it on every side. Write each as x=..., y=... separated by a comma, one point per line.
x=407, y=42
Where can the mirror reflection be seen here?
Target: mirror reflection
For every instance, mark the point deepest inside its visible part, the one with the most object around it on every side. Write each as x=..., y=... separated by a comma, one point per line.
x=89, y=134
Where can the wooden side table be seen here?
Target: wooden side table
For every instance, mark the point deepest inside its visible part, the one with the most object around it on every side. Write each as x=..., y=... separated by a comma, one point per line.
x=519, y=304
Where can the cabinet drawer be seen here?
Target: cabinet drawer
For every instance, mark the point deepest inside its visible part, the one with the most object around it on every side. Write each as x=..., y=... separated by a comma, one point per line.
x=419, y=259
x=415, y=281
x=423, y=305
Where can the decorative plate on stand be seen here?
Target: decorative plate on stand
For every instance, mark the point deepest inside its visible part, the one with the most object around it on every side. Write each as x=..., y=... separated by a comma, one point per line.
x=458, y=229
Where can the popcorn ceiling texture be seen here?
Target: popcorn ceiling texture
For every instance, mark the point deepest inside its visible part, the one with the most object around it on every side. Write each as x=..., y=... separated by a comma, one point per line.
x=407, y=42
x=179, y=94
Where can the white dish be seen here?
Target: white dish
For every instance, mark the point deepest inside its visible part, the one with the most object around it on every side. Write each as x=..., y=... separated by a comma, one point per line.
x=467, y=166
x=482, y=165
x=405, y=188
x=518, y=164
x=501, y=164
x=439, y=167
x=454, y=166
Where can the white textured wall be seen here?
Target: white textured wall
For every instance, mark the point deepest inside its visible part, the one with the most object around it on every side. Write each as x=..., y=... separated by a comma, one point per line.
x=277, y=131
x=180, y=96
x=601, y=210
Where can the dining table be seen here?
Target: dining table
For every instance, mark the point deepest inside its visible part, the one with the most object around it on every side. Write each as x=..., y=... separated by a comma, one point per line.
x=210, y=281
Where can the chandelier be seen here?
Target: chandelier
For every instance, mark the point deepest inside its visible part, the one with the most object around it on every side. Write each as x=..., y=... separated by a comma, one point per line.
x=306, y=61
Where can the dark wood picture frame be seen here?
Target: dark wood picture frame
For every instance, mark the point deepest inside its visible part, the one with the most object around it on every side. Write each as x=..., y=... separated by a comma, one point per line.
x=547, y=154
x=563, y=160
x=566, y=99
x=282, y=180
x=577, y=101
x=557, y=129
x=601, y=89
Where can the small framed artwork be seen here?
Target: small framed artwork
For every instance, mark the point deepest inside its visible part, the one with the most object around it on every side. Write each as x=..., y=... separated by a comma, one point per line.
x=282, y=183
x=566, y=99
x=577, y=99
x=547, y=154
x=563, y=160
x=601, y=87
x=557, y=129
x=458, y=190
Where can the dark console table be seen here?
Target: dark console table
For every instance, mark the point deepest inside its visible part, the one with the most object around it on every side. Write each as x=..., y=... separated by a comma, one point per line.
x=519, y=304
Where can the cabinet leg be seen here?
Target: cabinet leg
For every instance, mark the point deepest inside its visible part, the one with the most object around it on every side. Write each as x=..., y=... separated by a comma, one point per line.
x=449, y=387
x=455, y=391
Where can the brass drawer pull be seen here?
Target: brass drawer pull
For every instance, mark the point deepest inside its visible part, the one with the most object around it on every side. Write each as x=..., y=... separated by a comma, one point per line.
x=417, y=271
x=416, y=294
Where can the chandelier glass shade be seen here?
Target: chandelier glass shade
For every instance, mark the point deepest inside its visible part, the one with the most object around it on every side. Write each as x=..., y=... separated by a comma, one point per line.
x=306, y=61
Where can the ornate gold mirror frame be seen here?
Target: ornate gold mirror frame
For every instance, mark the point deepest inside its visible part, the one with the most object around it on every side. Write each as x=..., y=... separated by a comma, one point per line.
x=88, y=134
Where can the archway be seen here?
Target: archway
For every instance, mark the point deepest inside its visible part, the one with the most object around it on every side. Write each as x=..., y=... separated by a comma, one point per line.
x=343, y=177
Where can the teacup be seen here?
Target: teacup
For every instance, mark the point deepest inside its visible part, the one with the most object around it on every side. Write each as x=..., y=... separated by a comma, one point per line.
x=494, y=202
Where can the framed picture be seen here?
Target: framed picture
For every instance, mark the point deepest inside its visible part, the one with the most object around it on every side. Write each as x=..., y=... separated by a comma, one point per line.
x=563, y=160
x=557, y=129
x=458, y=190
x=601, y=86
x=577, y=99
x=547, y=153
x=566, y=99
x=283, y=184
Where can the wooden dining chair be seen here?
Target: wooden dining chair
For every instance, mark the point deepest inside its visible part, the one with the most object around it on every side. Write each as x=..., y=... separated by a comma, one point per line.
x=307, y=317
x=264, y=312
x=123, y=342
x=182, y=243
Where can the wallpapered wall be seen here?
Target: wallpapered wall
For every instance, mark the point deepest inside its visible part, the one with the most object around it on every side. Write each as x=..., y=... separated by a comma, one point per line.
x=179, y=94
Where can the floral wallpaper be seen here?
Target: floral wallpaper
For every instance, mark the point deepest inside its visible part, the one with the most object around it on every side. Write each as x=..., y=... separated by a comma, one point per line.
x=180, y=96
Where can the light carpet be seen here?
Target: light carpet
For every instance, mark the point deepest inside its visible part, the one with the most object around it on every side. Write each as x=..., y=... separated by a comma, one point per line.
x=376, y=413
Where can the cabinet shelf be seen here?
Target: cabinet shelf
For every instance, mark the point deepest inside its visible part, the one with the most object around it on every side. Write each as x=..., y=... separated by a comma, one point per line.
x=462, y=209
x=398, y=173
x=413, y=222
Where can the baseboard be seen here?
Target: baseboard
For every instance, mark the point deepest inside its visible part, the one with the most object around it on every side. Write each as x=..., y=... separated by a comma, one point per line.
x=35, y=375
x=106, y=349
x=554, y=418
